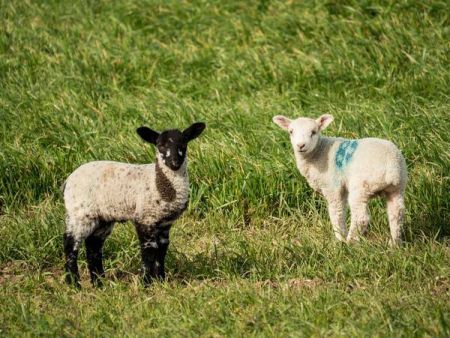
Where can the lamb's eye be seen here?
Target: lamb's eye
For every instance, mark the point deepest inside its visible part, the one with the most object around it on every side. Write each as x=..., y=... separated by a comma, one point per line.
x=313, y=133
x=291, y=131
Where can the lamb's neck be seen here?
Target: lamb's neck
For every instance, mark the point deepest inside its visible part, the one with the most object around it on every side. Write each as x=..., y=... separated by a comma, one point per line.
x=174, y=176
x=315, y=158
x=172, y=185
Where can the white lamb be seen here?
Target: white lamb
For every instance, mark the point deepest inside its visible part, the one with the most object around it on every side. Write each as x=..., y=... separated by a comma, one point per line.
x=153, y=196
x=349, y=171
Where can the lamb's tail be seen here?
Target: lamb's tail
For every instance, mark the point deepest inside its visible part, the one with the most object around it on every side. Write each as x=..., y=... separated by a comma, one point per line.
x=397, y=174
x=63, y=187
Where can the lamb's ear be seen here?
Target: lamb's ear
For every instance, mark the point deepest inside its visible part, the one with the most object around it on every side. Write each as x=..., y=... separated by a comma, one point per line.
x=282, y=121
x=148, y=134
x=194, y=130
x=324, y=121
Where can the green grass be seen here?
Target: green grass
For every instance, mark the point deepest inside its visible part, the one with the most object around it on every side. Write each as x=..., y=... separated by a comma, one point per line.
x=254, y=254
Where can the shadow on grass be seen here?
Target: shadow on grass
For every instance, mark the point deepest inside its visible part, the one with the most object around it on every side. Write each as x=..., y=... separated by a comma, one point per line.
x=205, y=266
x=432, y=224
x=429, y=223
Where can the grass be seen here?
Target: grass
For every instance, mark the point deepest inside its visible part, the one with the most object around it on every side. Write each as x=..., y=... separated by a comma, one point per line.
x=254, y=254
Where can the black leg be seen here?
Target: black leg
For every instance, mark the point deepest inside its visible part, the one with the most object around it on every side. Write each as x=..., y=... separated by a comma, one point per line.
x=149, y=250
x=94, y=246
x=163, y=245
x=71, y=267
x=94, y=252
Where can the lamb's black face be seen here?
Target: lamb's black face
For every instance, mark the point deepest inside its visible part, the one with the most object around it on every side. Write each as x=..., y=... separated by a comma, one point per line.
x=172, y=144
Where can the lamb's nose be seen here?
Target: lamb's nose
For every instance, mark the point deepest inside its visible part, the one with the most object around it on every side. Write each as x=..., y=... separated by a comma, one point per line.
x=301, y=146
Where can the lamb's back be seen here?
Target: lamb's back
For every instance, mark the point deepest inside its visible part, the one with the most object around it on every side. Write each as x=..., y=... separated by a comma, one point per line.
x=108, y=189
x=377, y=163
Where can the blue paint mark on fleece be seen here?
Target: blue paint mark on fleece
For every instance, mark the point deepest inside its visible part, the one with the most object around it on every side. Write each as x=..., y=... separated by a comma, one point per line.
x=344, y=154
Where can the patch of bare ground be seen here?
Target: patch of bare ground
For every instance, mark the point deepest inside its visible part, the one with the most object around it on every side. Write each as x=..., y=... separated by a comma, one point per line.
x=441, y=287
x=13, y=272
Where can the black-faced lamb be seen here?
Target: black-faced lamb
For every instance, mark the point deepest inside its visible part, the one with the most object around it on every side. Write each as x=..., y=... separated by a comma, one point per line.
x=349, y=172
x=152, y=196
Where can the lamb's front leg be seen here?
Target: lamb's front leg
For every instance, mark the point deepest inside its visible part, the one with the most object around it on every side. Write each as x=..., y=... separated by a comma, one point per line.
x=148, y=238
x=337, y=207
x=163, y=245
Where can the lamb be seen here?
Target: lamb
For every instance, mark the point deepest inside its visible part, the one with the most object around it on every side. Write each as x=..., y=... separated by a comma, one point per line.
x=153, y=196
x=349, y=172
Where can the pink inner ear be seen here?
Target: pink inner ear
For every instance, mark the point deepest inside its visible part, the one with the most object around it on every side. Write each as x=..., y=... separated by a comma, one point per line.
x=283, y=122
x=323, y=121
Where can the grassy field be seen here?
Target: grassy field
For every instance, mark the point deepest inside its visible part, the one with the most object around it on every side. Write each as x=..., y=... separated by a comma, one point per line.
x=254, y=254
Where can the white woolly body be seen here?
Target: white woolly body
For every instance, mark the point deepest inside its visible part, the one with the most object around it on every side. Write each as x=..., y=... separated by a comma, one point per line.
x=349, y=172
x=113, y=191
x=376, y=165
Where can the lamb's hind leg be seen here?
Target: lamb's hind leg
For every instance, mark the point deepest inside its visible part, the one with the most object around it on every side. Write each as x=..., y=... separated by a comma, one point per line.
x=71, y=247
x=77, y=230
x=94, y=255
x=359, y=215
x=396, y=211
